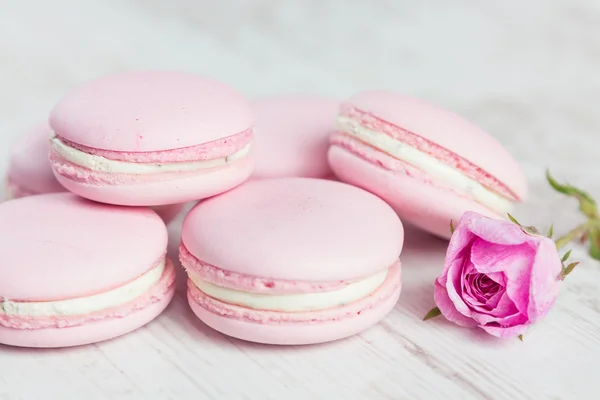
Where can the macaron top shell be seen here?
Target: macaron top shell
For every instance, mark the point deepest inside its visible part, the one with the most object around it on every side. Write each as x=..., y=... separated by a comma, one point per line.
x=446, y=129
x=150, y=111
x=295, y=229
x=29, y=165
x=60, y=246
x=292, y=136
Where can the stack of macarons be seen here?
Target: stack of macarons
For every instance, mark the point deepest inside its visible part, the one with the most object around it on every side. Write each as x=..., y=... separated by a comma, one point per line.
x=298, y=234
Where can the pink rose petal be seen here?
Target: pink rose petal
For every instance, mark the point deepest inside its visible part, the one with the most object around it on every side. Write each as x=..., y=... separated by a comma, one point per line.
x=452, y=286
x=492, y=230
x=515, y=261
x=478, y=289
x=504, y=314
x=498, y=277
x=461, y=239
x=448, y=309
x=544, y=285
x=491, y=257
x=494, y=300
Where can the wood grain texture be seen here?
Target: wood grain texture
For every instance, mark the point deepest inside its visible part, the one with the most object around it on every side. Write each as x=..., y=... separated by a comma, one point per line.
x=527, y=72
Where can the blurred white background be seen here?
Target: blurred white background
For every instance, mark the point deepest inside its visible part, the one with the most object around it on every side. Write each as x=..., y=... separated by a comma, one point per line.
x=526, y=71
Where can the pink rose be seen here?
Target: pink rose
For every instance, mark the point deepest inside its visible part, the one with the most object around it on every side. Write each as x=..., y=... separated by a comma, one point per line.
x=497, y=277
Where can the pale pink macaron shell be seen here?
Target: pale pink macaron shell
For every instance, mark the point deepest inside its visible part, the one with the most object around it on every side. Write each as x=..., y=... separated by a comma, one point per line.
x=446, y=129
x=92, y=332
x=155, y=117
x=149, y=192
x=334, y=324
x=29, y=171
x=295, y=229
x=60, y=246
x=149, y=111
x=293, y=235
x=416, y=201
x=292, y=136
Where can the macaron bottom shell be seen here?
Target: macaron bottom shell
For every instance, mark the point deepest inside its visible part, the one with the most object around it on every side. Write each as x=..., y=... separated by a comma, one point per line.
x=83, y=334
x=417, y=201
x=152, y=191
x=298, y=328
x=116, y=322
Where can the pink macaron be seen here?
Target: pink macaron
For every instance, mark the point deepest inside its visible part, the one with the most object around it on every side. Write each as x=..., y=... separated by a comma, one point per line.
x=431, y=165
x=292, y=136
x=292, y=260
x=29, y=171
x=77, y=272
x=151, y=138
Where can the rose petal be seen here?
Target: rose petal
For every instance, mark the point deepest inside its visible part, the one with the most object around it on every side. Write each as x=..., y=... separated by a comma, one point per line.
x=544, y=283
x=494, y=300
x=497, y=277
x=477, y=296
x=488, y=306
x=485, y=285
x=491, y=257
x=501, y=332
x=459, y=244
x=471, y=299
x=453, y=286
x=448, y=308
x=463, y=283
x=514, y=261
x=493, y=230
x=469, y=268
x=505, y=314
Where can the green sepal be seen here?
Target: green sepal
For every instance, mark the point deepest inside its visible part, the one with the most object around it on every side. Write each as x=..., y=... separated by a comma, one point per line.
x=434, y=312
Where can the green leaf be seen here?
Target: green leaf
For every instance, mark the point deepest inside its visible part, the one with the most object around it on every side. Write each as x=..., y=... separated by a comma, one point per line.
x=569, y=268
x=434, y=312
x=520, y=337
x=594, y=238
x=587, y=204
x=452, y=227
x=566, y=256
x=513, y=219
x=551, y=231
x=532, y=230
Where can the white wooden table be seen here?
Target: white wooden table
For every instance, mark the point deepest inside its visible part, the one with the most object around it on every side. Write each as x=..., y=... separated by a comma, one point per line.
x=525, y=71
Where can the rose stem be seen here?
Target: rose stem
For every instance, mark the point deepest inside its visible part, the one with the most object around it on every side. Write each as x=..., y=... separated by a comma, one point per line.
x=572, y=235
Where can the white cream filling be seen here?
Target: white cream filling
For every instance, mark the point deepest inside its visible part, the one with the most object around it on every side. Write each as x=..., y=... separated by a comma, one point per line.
x=293, y=302
x=449, y=175
x=86, y=305
x=102, y=164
